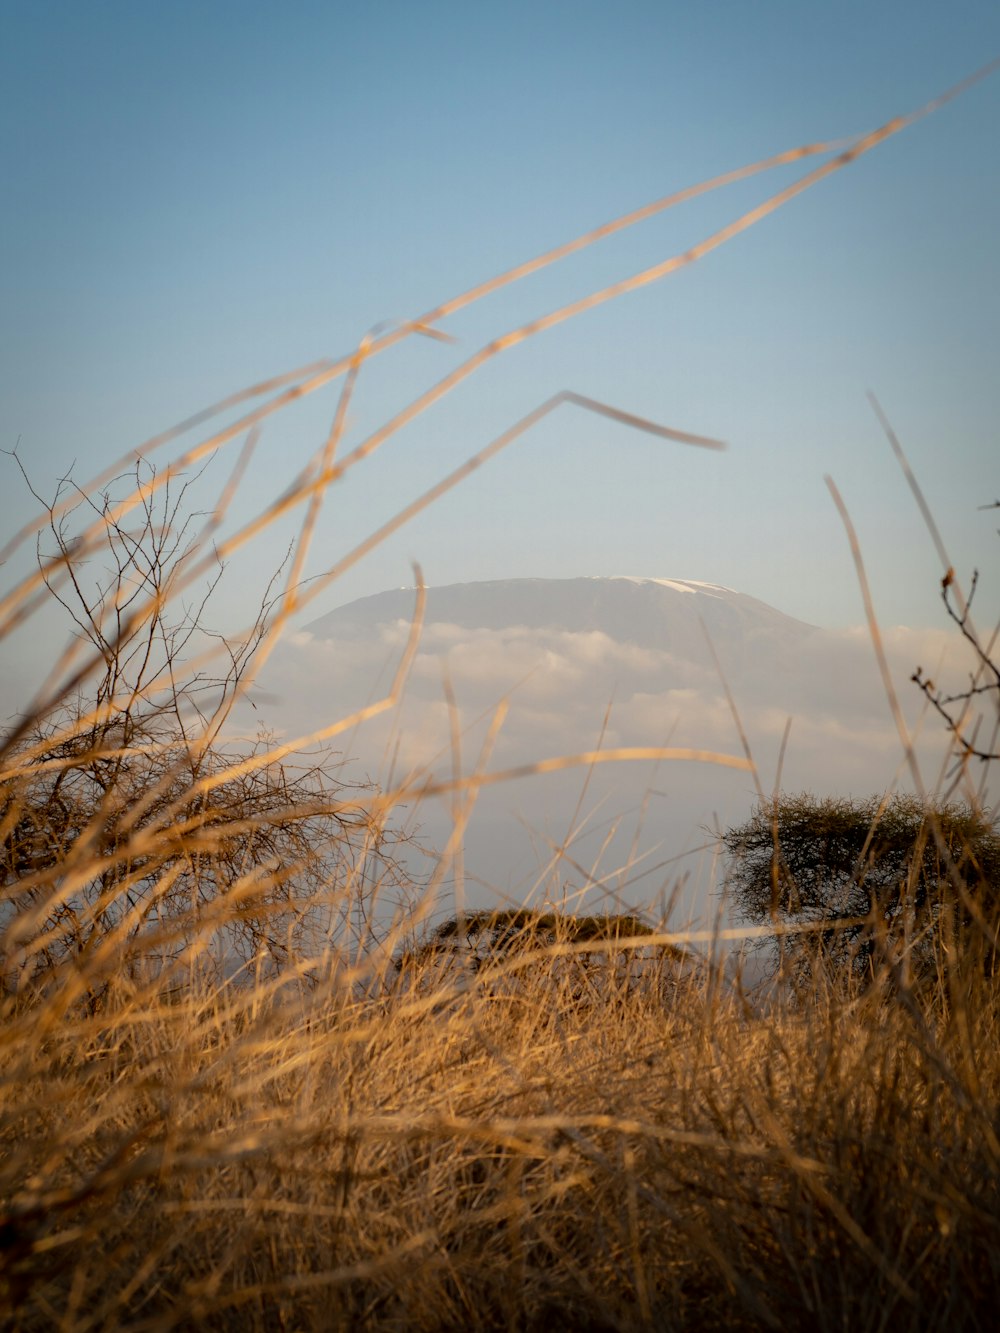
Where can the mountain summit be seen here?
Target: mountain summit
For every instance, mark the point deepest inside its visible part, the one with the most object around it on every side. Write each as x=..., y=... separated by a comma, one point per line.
x=663, y=615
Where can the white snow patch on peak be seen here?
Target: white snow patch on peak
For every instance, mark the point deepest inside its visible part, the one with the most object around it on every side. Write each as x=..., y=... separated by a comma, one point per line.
x=679, y=585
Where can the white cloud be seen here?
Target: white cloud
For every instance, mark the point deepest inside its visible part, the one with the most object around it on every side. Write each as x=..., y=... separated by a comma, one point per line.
x=560, y=683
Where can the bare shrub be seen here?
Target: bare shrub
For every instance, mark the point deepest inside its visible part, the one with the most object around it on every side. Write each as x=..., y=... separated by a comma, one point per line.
x=130, y=828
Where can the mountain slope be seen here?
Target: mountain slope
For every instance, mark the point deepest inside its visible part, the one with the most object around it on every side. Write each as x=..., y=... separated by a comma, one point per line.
x=663, y=615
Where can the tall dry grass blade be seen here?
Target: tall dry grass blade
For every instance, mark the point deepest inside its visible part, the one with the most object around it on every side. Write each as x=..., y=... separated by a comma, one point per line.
x=902, y=730
x=311, y=378
x=857, y=148
x=489, y=451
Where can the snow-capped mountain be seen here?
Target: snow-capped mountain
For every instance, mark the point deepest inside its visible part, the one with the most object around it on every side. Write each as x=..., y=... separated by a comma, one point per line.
x=662, y=615
x=652, y=612
x=583, y=663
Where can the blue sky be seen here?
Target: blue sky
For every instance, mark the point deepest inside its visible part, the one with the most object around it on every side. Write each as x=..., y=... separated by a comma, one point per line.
x=199, y=195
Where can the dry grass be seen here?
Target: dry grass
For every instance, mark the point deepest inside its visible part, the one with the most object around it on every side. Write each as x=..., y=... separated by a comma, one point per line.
x=498, y=1158
x=224, y=1106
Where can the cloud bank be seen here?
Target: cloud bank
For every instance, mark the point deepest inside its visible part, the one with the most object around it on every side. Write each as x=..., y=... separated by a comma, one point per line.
x=570, y=690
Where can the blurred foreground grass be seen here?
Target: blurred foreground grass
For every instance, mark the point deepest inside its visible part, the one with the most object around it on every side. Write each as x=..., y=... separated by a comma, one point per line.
x=236, y=1090
x=495, y=1156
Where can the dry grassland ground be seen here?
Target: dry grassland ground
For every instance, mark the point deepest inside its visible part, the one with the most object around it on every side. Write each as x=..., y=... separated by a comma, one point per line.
x=535, y=1159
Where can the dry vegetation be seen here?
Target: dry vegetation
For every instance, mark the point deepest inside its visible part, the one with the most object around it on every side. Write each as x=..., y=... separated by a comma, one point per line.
x=239, y=1090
